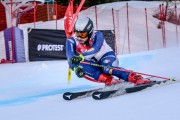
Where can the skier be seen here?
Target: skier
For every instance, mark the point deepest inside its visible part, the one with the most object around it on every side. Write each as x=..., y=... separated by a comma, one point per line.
x=89, y=46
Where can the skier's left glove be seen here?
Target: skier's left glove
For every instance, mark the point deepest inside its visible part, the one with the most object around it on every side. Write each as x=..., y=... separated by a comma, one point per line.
x=79, y=71
x=76, y=59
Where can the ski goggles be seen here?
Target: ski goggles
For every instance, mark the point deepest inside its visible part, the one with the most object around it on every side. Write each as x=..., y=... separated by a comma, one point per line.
x=81, y=34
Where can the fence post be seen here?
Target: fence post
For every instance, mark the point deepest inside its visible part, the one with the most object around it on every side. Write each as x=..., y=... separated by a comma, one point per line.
x=147, y=29
x=118, y=31
x=162, y=18
x=96, y=17
x=12, y=35
x=114, y=31
x=128, y=28
x=34, y=14
x=177, y=41
x=56, y=9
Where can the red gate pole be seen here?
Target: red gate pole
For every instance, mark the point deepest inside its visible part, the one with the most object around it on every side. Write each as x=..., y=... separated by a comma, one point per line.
x=128, y=28
x=147, y=29
x=34, y=4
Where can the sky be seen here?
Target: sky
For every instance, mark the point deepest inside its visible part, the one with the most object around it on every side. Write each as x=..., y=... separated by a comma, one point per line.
x=33, y=90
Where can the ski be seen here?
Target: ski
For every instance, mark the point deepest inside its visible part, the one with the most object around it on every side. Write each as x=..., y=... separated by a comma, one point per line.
x=87, y=93
x=99, y=95
x=78, y=95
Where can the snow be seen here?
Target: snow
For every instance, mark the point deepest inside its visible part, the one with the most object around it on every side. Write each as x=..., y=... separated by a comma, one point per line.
x=33, y=90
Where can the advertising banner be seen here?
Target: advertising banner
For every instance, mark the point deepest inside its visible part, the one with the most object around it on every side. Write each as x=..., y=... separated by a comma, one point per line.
x=14, y=36
x=45, y=44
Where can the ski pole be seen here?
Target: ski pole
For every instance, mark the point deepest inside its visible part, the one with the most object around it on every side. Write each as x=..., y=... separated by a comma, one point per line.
x=121, y=69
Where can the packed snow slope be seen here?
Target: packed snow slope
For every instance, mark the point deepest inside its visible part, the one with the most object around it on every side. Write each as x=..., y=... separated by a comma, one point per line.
x=33, y=91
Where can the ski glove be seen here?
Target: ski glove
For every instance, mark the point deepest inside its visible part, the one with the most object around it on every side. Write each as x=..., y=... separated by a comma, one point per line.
x=79, y=71
x=76, y=59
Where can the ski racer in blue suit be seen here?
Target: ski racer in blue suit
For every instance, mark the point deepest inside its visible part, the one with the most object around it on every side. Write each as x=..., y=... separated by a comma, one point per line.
x=88, y=46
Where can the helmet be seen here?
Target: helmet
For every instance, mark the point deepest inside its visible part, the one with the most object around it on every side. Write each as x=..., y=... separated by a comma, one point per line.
x=83, y=25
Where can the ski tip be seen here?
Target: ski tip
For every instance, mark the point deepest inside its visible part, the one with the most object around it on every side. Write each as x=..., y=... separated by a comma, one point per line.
x=67, y=96
x=96, y=95
x=99, y=95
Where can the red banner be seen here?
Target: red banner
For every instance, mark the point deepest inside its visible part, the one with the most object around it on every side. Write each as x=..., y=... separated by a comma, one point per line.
x=76, y=15
x=68, y=18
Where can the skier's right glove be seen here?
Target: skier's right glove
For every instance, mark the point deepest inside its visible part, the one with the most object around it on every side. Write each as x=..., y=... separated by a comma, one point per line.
x=76, y=59
x=79, y=71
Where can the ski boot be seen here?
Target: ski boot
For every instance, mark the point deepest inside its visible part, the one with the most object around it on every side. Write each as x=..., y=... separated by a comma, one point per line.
x=108, y=80
x=137, y=79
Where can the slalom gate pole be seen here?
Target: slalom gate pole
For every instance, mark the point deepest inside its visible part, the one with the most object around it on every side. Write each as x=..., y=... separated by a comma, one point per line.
x=70, y=29
x=76, y=15
x=121, y=69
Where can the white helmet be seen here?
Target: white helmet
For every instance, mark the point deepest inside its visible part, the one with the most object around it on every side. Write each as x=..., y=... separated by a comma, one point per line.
x=84, y=25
